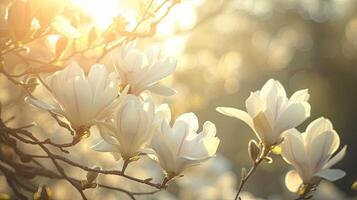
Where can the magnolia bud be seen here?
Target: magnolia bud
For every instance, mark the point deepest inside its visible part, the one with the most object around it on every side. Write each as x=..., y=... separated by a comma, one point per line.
x=91, y=176
x=253, y=150
x=243, y=173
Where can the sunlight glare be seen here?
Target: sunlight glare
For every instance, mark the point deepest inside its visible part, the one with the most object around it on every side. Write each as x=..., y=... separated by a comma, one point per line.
x=102, y=11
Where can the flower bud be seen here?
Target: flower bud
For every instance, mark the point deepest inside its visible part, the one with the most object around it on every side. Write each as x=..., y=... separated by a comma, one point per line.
x=253, y=150
x=243, y=173
x=92, y=176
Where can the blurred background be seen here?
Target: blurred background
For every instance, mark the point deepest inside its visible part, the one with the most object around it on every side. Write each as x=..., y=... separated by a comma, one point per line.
x=228, y=48
x=302, y=43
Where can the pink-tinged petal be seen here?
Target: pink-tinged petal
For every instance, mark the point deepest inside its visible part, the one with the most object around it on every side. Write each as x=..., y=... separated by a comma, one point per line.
x=239, y=114
x=319, y=149
x=331, y=174
x=337, y=158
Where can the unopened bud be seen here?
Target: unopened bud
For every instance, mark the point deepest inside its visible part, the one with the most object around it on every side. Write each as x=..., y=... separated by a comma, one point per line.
x=253, y=150
x=243, y=173
x=92, y=175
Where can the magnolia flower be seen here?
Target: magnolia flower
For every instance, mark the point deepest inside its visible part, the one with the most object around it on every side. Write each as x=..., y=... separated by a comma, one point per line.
x=143, y=69
x=179, y=146
x=311, y=152
x=271, y=112
x=80, y=99
x=131, y=130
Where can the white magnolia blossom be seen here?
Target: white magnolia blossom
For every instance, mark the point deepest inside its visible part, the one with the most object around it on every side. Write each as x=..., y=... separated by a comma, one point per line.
x=80, y=99
x=131, y=131
x=311, y=152
x=179, y=146
x=143, y=69
x=271, y=112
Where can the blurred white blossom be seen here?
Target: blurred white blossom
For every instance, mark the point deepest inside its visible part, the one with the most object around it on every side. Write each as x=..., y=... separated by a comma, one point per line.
x=179, y=146
x=271, y=112
x=143, y=69
x=311, y=153
x=80, y=99
x=131, y=130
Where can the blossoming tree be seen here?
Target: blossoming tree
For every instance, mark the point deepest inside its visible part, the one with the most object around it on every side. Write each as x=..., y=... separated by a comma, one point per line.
x=100, y=81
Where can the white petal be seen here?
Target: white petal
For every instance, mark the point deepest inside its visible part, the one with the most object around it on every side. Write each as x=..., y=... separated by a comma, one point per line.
x=293, y=116
x=264, y=130
x=38, y=103
x=293, y=181
x=319, y=150
x=107, y=132
x=317, y=127
x=162, y=90
x=254, y=105
x=159, y=70
x=299, y=96
x=163, y=112
x=62, y=26
x=335, y=159
x=209, y=129
x=189, y=118
x=103, y=146
x=136, y=59
x=292, y=148
x=239, y=114
x=331, y=174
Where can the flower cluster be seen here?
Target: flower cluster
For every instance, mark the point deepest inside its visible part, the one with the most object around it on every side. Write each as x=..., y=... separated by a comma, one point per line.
x=127, y=120
x=274, y=118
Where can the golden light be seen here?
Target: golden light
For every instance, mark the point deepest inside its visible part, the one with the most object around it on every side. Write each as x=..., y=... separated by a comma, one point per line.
x=102, y=11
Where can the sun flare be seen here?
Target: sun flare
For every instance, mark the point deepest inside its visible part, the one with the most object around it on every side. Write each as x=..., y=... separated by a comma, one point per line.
x=102, y=11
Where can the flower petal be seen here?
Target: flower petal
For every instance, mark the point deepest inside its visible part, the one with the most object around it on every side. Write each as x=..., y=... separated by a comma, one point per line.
x=103, y=146
x=162, y=90
x=239, y=114
x=254, y=105
x=293, y=181
x=331, y=174
x=335, y=159
x=299, y=96
x=293, y=116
